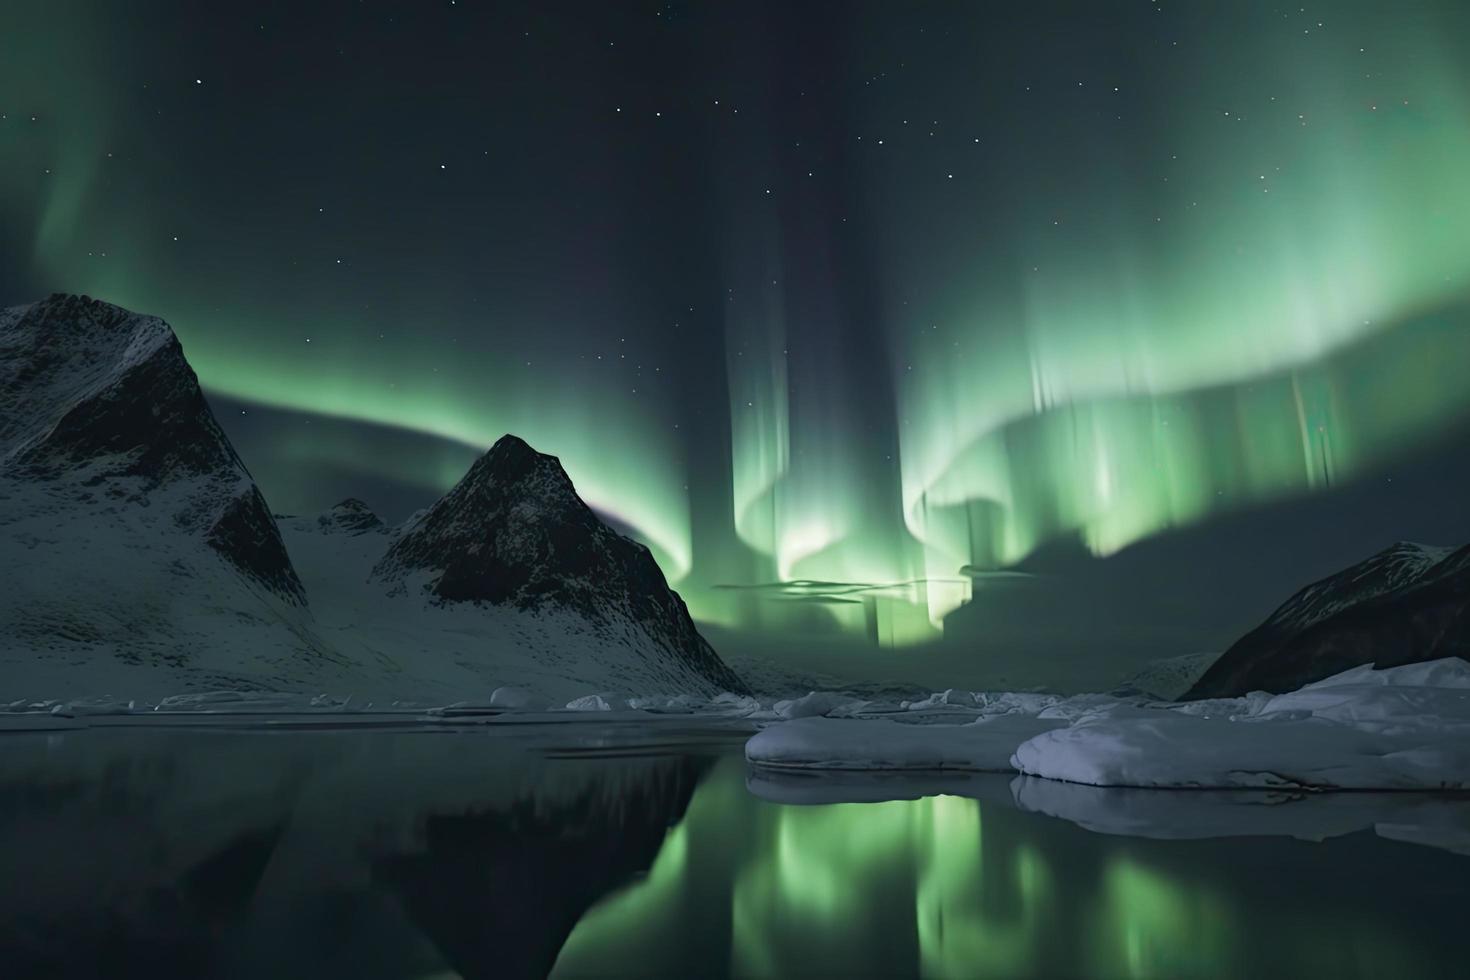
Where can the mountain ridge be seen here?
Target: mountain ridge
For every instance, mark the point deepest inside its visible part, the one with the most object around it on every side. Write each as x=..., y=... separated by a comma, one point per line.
x=139, y=555
x=1404, y=604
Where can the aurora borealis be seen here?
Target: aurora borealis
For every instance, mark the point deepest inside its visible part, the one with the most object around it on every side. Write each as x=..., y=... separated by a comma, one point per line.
x=841, y=307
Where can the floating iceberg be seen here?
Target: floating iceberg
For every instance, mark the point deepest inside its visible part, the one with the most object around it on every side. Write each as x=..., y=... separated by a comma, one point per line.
x=1401, y=729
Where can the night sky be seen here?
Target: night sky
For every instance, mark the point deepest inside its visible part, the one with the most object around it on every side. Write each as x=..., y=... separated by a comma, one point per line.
x=847, y=310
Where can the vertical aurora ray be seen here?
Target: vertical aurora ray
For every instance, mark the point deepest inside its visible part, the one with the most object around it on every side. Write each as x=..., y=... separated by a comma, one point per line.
x=810, y=496
x=760, y=417
x=1042, y=307
x=1280, y=314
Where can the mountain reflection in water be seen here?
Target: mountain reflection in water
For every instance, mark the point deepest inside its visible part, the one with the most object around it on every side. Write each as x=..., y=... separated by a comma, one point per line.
x=641, y=853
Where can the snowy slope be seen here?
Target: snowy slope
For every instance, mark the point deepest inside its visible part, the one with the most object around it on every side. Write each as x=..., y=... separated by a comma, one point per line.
x=1166, y=678
x=136, y=553
x=1406, y=604
x=1393, y=569
x=463, y=650
x=138, y=559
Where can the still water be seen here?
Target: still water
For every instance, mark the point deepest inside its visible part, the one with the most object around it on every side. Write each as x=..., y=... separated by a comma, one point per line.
x=591, y=851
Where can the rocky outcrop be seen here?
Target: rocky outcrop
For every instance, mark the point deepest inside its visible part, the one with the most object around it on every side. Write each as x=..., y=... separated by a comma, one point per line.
x=514, y=532
x=1408, y=603
x=99, y=405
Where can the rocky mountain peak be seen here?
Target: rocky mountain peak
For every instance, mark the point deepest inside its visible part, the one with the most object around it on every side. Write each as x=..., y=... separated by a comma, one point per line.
x=96, y=401
x=511, y=466
x=514, y=531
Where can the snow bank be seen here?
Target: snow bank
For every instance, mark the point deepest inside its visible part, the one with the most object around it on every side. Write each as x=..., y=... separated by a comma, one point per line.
x=1399, y=729
x=819, y=704
x=1165, y=748
x=1404, y=728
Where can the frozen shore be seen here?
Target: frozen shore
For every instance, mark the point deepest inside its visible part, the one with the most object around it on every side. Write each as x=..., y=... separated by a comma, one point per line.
x=1406, y=728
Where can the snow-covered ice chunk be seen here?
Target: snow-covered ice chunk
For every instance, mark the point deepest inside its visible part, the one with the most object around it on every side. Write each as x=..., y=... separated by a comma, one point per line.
x=1011, y=702
x=1363, y=729
x=1405, y=728
x=818, y=703
x=950, y=698
x=512, y=697
x=1165, y=748
x=1448, y=672
x=603, y=701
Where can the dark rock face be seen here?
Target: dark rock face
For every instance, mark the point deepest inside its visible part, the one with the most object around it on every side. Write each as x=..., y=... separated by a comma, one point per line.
x=1404, y=605
x=95, y=396
x=514, y=532
x=351, y=516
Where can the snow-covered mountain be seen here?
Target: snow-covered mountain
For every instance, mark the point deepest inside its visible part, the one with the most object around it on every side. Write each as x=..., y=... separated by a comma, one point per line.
x=136, y=553
x=465, y=647
x=138, y=557
x=1406, y=604
x=514, y=533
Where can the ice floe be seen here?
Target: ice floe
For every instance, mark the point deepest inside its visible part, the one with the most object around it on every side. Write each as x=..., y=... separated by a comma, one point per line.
x=1405, y=728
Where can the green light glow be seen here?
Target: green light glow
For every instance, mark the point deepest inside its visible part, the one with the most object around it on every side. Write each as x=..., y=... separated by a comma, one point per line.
x=612, y=475
x=947, y=886
x=1262, y=293
x=1142, y=919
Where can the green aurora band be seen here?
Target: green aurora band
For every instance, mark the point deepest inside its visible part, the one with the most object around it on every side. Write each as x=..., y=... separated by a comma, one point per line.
x=1287, y=309
x=1280, y=306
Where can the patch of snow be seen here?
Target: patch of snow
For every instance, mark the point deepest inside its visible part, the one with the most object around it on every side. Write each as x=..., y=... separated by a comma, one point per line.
x=1394, y=568
x=1400, y=729
x=513, y=697
x=606, y=701
x=942, y=699
x=818, y=703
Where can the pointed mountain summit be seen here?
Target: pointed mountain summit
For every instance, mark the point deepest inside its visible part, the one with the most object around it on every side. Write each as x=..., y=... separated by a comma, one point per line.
x=139, y=559
x=94, y=395
x=1406, y=604
x=129, y=523
x=514, y=532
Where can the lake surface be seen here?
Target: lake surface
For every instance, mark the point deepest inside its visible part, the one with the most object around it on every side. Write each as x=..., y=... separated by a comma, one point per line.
x=652, y=851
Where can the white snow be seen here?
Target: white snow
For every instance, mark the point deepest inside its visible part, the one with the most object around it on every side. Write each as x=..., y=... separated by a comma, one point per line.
x=1403, y=728
x=457, y=650
x=607, y=701
x=512, y=697
x=110, y=588
x=1391, y=569
x=818, y=704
